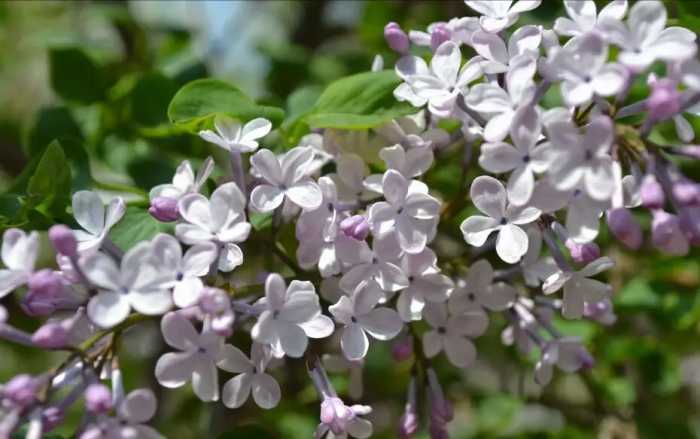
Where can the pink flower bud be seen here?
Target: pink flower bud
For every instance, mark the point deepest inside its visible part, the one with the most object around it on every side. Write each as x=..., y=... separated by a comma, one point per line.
x=439, y=35
x=686, y=191
x=164, y=209
x=666, y=234
x=396, y=38
x=624, y=227
x=51, y=335
x=689, y=218
x=402, y=349
x=21, y=390
x=651, y=193
x=691, y=151
x=583, y=253
x=664, y=100
x=63, y=240
x=51, y=418
x=45, y=283
x=408, y=424
x=438, y=431
x=98, y=398
x=355, y=227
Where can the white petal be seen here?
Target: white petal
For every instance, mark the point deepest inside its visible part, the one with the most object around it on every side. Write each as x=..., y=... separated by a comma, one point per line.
x=305, y=194
x=115, y=211
x=236, y=390
x=319, y=327
x=178, y=332
x=354, y=342
x=266, y=198
x=511, y=244
x=231, y=359
x=198, y=258
x=499, y=297
x=194, y=208
x=108, y=309
x=293, y=340
x=489, y=196
x=230, y=257
x=151, y=302
x=469, y=324
x=610, y=80
x=265, y=162
x=499, y=157
x=266, y=391
x=476, y=229
x=521, y=184
x=138, y=406
x=460, y=351
x=432, y=343
x=89, y=211
x=187, y=292
x=446, y=61
x=381, y=323
x=205, y=380
x=174, y=369
x=192, y=234
x=256, y=129
x=490, y=46
x=395, y=187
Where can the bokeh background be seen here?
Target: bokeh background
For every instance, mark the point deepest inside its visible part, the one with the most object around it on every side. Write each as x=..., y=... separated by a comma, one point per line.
x=99, y=76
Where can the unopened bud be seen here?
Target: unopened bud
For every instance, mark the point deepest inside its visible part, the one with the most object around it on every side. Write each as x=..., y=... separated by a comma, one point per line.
x=355, y=227
x=439, y=35
x=625, y=227
x=21, y=390
x=63, y=240
x=666, y=234
x=98, y=398
x=396, y=38
x=51, y=335
x=689, y=218
x=164, y=209
x=651, y=193
x=402, y=349
x=583, y=253
x=664, y=100
x=686, y=191
x=51, y=418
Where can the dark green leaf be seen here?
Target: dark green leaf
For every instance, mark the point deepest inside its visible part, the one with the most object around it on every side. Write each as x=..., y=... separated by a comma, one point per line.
x=48, y=189
x=52, y=123
x=261, y=221
x=150, y=98
x=76, y=77
x=137, y=225
x=195, y=105
x=361, y=101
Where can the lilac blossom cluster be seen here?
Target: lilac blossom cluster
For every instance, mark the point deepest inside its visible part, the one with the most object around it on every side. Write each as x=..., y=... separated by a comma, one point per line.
x=364, y=270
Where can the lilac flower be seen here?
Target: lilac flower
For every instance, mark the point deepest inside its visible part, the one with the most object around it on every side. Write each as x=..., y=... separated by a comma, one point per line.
x=350, y=179
x=584, y=16
x=459, y=31
x=184, y=181
x=489, y=196
x=220, y=220
x=497, y=57
x=425, y=284
x=378, y=264
x=137, y=408
x=360, y=317
x=567, y=353
x=233, y=136
x=339, y=421
x=666, y=234
x=450, y=333
x=91, y=215
x=19, y=252
x=286, y=178
x=251, y=378
x=578, y=287
x=498, y=15
x=479, y=291
x=290, y=316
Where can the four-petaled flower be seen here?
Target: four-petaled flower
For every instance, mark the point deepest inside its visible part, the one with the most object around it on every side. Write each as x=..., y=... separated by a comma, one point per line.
x=251, y=378
x=233, y=136
x=19, y=252
x=91, y=215
x=450, y=333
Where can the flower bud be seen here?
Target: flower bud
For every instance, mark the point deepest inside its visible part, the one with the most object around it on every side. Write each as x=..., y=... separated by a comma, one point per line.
x=666, y=234
x=686, y=191
x=45, y=283
x=691, y=151
x=689, y=219
x=335, y=414
x=402, y=349
x=98, y=398
x=439, y=35
x=396, y=38
x=408, y=425
x=164, y=209
x=51, y=335
x=355, y=227
x=63, y=240
x=438, y=431
x=651, y=193
x=624, y=227
x=664, y=100
x=51, y=418
x=583, y=253
x=21, y=390
x=214, y=301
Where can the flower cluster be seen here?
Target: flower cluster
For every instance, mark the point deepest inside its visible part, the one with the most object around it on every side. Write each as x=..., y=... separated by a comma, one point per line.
x=369, y=262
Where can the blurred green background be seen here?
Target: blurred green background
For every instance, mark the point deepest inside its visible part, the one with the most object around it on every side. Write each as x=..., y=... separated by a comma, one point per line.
x=98, y=76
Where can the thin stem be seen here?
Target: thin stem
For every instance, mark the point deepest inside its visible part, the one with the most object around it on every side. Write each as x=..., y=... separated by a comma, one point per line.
x=112, y=249
x=15, y=335
x=237, y=171
x=559, y=258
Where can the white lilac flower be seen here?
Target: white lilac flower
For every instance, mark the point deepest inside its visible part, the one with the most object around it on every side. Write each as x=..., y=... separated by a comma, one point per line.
x=440, y=85
x=135, y=409
x=478, y=291
x=498, y=15
x=408, y=212
x=582, y=160
x=500, y=105
x=138, y=283
x=184, y=181
x=410, y=163
x=350, y=179
x=523, y=159
x=19, y=252
x=234, y=136
x=339, y=421
x=251, y=378
x=497, y=57
x=286, y=178
x=411, y=132
x=290, y=316
x=579, y=288
x=379, y=264
x=584, y=16
x=197, y=360
x=460, y=30
x=645, y=37
x=186, y=269
x=220, y=219
x=567, y=353
x=582, y=68
x=489, y=196
x=450, y=333
x=91, y=215
x=425, y=284
x=360, y=317
x=536, y=269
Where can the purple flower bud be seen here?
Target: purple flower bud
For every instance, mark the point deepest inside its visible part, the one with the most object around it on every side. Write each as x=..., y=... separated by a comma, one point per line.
x=335, y=414
x=583, y=253
x=164, y=209
x=624, y=227
x=651, y=193
x=664, y=100
x=396, y=38
x=63, y=240
x=51, y=418
x=92, y=433
x=586, y=359
x=51, y=335
x=438, y=431
x=666, y=234
x=45, y=283
x=689, y=218
x=214, y=301
x=98, y=398
x=439, y=35
x=686, y=191
x=355, y=227
x=691, y=151
x=21, y=390
x=402, y=349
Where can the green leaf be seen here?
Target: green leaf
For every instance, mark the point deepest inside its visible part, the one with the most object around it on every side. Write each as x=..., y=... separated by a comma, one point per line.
x=299, y=104
x=260, y=221
x=137, y=225
x=75, y=76
x=150, y=98
x=195, y=105
x=48, y=189
x=637, y=293
x=360, y=101
x=52, y=123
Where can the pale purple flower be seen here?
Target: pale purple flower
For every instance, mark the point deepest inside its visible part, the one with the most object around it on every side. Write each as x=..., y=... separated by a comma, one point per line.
x=410, y=163
x=584, y=16
x=489, y=196
x=396, y=38
x=666, y=234
x=501, y=14
x=450, y=333
x=291, y=315
x=425, y=284
x=220, y=219
x=98, y=398
x=286, y=178
x=351, y=178
x=95, y=219
x=579, y=287
x=251, y=378
x=478, y=291
x=567, y=353
x=651, y=192
x=458, y=30
x=138, y=407
x=19, y=253
x=234, y=136
x=184, y=181
x=497, y=57
x=63, y=240
x=535, y=269
x=379, y=264
x=339, y=421
x=624, y=227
